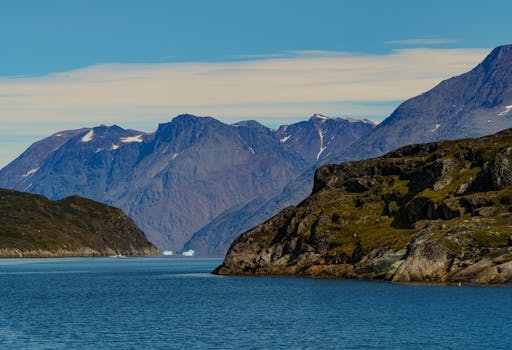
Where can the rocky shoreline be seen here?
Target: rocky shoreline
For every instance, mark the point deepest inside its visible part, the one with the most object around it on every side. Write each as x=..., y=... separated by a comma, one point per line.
x=79, y=253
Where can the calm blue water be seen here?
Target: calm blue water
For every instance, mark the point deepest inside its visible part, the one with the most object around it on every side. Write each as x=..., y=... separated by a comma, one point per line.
x=158, y=303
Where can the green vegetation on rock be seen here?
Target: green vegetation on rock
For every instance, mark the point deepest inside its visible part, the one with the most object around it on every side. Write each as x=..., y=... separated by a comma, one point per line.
x=434, y=212
x=33, y=226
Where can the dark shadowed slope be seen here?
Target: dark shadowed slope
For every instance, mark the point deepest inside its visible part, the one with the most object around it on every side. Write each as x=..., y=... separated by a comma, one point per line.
x=33, y=226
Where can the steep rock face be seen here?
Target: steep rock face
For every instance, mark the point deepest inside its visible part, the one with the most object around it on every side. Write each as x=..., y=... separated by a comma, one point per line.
x=473, y=104
x=437, y=212
x=313, y=140
x=33, y=226
x=320, y=136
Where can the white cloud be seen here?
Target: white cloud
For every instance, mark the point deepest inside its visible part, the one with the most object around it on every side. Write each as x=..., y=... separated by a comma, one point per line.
x=236, y=90
x=273, y=90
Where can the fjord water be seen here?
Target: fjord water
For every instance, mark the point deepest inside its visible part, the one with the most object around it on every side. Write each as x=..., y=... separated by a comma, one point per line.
x=163, y=303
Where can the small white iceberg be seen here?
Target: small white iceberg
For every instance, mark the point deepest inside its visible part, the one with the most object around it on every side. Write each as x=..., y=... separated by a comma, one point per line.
x=190, y=252
x=167, y=252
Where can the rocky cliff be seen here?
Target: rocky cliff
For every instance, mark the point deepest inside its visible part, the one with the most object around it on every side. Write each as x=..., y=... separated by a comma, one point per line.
x=438, y=212
x=33, y=226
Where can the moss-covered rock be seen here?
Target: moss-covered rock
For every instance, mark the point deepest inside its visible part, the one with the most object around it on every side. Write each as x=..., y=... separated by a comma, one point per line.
x=422, y=213
x=33, y=226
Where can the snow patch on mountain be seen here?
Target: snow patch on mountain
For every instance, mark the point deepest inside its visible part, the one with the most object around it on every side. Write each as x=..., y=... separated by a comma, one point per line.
x=322, y=147
x=284, y=139
x=88, y=137
x=129, y=139
x=30, y=172
x=507, y=109
x=245, y=143
x=320, y=116
x=366, y=121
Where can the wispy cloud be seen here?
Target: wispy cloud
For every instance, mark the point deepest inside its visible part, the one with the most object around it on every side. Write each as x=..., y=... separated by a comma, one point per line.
x=422, y=42
x=261, y=55
x=274, y=90
x=292, y=86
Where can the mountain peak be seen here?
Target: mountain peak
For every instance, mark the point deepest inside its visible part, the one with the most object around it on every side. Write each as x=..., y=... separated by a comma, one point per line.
x=249, y=124
x=365, y=120
x=500, y=57
x=185, y=116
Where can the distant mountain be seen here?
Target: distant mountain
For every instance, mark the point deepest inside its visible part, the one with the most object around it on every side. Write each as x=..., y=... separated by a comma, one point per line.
x=313, y=140
x=33, y=226
x=320, y=136
x=34, y=156
x=436, y=212
x=473, y=104
x=179, y=178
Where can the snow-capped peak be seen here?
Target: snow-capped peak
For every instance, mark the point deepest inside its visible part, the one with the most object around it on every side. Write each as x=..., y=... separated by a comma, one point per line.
x=319, y=116
x=367, y=121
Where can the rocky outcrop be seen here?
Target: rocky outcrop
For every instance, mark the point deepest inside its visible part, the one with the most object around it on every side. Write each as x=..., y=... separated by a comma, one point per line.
x=440, y=212
x=33, y=226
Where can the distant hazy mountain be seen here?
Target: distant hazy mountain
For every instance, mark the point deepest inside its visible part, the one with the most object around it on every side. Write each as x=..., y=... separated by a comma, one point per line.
x=476, y=103
x=320, y=136
x=473, y=104
x=178, y=179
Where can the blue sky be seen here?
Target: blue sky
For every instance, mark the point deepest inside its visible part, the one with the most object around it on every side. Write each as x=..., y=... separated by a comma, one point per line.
x=68, y=64
x=40, y=37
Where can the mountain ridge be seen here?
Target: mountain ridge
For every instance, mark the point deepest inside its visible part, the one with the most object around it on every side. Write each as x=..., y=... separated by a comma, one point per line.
x=172, y=181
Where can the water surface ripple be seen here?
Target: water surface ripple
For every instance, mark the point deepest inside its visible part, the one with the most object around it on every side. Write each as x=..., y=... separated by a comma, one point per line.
x=163, y=303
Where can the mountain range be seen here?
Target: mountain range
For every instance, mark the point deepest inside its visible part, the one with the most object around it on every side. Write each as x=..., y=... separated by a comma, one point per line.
x=196, y=183
x=177, y=179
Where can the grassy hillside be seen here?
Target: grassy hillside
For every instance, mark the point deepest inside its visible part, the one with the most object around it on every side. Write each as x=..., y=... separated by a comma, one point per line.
x=434, y=212
x=32, y=225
